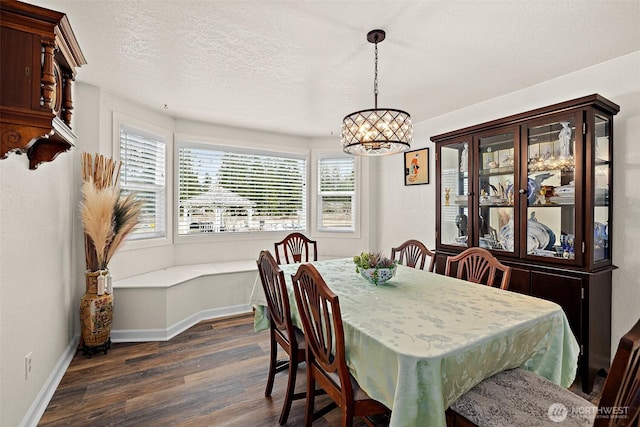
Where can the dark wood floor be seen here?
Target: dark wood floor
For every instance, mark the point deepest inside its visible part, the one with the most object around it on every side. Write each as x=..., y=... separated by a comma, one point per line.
x=213, y=374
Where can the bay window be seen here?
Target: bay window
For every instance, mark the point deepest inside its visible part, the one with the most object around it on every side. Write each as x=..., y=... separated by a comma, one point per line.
x=143, y=166
x=232, y=190
x=336, y=194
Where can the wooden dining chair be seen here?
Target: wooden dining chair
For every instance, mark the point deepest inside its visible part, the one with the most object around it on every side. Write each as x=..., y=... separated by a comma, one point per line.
x=414, y=253
x=479, y=266
x=521, y=398
x=295, y=248
x=622, y=387
x=319, y=310
x=281, y=330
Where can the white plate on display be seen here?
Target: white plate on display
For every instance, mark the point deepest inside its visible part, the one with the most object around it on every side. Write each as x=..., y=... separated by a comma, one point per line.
x=505, y=237
x=542, y=252
x=539, y=236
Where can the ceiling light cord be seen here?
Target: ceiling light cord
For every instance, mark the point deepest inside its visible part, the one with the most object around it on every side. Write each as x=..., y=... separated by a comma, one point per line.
x=375, y=78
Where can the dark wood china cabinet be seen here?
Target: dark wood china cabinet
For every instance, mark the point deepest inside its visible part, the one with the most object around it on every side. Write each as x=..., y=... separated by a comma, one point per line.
x=39, y=57
x=536, y=189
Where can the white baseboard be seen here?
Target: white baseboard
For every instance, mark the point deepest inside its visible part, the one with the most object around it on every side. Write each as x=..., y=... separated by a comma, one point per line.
x=43, y=398
x=143, y=335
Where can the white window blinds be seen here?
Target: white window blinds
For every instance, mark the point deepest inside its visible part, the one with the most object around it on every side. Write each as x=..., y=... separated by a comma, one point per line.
x=451, y=179
x=227, y=191
x=336, y=194
x=143, y=172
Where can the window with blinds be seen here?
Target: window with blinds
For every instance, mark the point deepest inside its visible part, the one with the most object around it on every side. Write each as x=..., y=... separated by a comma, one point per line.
x=143, y=158
x=231, y=191
x=336, y=194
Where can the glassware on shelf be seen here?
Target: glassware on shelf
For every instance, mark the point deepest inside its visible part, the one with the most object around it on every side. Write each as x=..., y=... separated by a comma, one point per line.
x=602, y=179
x=600, y=240
x=567, y=243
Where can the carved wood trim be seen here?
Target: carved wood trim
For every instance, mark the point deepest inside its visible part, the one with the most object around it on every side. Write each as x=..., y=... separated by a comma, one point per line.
x=51, y=54
x=67, y=100
x=48, y=79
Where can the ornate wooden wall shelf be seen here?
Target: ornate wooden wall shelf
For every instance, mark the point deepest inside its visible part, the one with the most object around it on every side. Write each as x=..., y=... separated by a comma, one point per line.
x=40, y=57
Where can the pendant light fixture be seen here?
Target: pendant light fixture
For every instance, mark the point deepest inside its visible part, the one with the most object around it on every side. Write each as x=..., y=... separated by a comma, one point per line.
x=379, y=131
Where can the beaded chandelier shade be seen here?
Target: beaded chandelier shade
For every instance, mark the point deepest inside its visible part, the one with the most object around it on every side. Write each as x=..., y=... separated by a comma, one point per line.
x=379, y=131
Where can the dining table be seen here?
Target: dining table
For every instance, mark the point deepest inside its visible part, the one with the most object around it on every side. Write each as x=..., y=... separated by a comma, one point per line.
x=421, y=340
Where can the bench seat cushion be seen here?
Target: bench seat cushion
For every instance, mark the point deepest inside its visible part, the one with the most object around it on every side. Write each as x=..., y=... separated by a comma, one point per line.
x=522, y=398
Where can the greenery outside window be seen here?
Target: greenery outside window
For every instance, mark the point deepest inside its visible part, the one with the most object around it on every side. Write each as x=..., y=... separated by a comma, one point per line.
x=336, y=194
x=230, y=190
x=143, y=157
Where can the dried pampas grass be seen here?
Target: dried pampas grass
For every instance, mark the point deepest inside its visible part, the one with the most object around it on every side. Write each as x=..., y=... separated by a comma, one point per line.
x=125, y=218
x=108, y=215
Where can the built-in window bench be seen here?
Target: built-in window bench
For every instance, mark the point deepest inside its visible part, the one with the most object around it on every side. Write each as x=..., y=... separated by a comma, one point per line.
x=158, y=305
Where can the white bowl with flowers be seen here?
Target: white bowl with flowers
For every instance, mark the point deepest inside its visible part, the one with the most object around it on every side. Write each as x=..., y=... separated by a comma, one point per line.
x=374, y=267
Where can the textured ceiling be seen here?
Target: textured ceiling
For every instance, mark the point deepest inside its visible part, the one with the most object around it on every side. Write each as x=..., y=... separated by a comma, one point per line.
x=300, y=66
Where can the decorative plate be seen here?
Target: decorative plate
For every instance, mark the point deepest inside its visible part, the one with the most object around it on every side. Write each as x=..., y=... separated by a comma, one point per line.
x=532, y=190
x=505, y=237
x=539, y=236
x=539, y=232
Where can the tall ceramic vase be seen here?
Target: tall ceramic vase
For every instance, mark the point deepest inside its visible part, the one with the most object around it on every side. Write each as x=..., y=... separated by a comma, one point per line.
x=96, y=313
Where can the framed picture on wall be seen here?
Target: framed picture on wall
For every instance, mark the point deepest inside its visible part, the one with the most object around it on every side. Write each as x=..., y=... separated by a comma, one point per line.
x=416, y=167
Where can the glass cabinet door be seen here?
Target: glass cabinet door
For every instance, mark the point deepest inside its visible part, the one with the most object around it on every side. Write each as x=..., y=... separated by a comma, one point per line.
x=455, y=164
x=601, y=185
x=495, y=191
x=550, y=189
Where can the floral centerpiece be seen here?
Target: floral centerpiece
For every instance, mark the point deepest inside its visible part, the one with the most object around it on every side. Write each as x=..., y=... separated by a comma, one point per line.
x=375, y=267
x=108, y=216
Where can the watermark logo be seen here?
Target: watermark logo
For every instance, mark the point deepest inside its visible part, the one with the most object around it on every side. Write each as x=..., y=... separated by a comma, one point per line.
x=613, y=412
x=557, y=412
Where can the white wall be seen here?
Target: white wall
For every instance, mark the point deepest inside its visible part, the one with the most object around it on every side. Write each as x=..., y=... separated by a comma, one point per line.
x=409, y=212
x=38, y=288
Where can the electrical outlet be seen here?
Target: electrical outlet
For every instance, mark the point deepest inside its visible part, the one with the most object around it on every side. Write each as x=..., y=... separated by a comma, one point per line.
x=27, y=366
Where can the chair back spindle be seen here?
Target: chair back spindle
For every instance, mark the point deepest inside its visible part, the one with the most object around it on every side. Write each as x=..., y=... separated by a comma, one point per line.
x=296, y=248
x=477, y=265
x=414, y=254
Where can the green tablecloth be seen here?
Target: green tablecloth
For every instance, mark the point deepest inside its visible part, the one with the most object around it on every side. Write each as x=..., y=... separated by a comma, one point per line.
x=421, y=340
